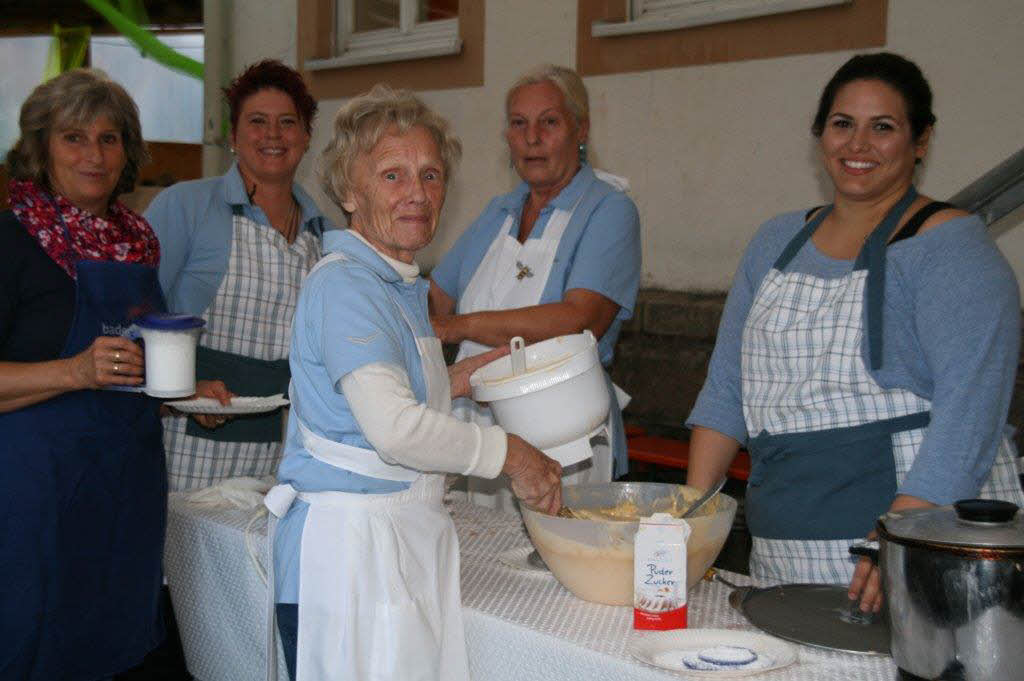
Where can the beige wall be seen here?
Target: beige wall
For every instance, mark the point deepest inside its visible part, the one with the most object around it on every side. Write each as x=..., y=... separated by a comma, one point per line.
x=711, y=151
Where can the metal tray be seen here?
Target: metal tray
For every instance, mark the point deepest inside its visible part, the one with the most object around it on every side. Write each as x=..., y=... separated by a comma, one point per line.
x=813, y=614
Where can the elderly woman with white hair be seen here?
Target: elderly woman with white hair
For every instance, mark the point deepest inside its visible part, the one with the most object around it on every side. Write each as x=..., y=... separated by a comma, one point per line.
x=557, y=255
x=366, y=562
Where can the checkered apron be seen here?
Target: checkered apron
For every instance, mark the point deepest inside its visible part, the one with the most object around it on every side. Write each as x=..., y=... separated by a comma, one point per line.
x=802, y=371
x=250, y=315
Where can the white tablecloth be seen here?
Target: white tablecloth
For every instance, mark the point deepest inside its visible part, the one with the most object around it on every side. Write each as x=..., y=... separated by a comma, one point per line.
x=520, y=625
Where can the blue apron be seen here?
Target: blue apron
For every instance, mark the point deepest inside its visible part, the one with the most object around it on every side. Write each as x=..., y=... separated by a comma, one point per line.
x=831, y=484
x=83, y=498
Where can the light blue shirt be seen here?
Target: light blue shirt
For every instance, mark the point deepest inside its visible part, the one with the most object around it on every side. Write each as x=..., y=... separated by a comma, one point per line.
x=193, y=221
x=599, y=251
x=951, y=333
x=349, y=315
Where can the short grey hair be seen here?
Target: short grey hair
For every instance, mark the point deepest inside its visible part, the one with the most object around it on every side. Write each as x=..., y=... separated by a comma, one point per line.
x=568, y=82
x=74, y=98
x=364, y=120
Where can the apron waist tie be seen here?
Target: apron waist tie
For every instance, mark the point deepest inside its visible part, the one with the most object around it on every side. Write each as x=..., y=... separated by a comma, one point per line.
x=279, y=499
x=353, y=459
x=428, y=488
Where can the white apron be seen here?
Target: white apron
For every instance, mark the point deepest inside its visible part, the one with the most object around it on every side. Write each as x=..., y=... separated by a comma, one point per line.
x=379, y=573
x=803, y=371
x=513, y=275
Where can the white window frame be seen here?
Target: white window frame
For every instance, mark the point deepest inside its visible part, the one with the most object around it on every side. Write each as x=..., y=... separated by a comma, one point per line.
x=411, y=40
x=668, y=15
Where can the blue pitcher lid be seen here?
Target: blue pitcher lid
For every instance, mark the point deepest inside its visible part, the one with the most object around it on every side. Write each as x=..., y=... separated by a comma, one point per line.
x=170, y=322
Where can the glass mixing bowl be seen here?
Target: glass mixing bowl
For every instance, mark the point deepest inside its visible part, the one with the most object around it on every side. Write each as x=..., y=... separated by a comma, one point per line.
x=593, y=558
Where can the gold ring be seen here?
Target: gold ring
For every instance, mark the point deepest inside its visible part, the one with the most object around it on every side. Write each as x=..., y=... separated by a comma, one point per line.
x=115, y=369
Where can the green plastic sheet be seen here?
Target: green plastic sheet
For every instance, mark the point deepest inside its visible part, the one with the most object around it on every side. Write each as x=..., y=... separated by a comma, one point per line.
x=146, y=41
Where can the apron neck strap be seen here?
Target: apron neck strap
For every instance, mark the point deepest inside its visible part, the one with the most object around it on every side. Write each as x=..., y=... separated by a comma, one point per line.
x=798, y=241
x=879, y=237
x=872, y=256
x=880, y=233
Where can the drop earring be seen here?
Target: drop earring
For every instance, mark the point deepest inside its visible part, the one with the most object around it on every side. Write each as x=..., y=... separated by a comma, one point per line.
x=582, y=149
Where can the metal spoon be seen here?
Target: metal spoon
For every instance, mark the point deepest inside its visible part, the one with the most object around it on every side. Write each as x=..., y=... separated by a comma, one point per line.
x=736, y=594
x=705, y=498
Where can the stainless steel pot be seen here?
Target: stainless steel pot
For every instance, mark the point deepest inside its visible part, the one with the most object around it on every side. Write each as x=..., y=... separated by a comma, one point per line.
x=953, y=579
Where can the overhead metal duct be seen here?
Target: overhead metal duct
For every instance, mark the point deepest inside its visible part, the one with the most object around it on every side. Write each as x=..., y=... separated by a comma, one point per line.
x=995, y=194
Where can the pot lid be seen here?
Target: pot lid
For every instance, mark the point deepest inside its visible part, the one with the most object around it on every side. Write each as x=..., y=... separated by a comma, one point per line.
x=169, y=322
x=969, y=523
x=548, y=363
x=818, y=615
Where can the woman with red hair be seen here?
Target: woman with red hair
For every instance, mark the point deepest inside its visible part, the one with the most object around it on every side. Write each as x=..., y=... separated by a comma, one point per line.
x=236, y=248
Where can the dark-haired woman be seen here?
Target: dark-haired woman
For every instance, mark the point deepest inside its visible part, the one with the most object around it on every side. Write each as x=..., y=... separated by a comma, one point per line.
x=236, y=248
x=868, y=348
x=83, y=491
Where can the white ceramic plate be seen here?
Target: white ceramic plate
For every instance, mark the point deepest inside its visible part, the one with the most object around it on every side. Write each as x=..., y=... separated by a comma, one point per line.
x=239, y=405
x=666, y=649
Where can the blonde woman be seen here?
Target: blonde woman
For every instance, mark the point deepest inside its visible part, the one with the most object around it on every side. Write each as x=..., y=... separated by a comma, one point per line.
x=557, y=255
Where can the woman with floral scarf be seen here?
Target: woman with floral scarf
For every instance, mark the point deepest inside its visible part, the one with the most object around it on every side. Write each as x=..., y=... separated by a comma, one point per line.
x=83, y=487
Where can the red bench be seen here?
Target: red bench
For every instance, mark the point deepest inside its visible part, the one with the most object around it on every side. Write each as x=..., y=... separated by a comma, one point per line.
x=648, y=450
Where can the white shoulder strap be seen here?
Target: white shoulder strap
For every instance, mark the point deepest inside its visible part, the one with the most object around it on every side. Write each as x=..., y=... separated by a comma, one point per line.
x=326, y=260
x=620, y=183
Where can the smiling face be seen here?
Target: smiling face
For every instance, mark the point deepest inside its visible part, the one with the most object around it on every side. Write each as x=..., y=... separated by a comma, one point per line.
x=85, y=163
x=543, y=137
x=397, y=191
x=270, y=137
x=867, y=143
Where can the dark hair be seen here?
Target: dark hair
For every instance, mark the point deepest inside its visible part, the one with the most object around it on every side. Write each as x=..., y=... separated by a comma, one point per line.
x=270, y=73
x=895, y=71
x=75, y=97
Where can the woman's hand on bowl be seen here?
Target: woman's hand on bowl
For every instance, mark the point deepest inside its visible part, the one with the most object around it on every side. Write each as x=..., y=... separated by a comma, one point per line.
x=110, y=360
x=459, y=373
x=219, y=391
x=536, y=479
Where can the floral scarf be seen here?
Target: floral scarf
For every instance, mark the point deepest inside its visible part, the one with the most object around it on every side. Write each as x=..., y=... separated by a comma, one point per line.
x=123, y=236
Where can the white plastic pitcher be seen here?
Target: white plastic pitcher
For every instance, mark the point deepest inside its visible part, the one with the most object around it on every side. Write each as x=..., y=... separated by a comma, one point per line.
x=170, y=341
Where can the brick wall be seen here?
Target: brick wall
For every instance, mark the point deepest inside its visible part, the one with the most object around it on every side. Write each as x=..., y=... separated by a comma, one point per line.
x=662, y=357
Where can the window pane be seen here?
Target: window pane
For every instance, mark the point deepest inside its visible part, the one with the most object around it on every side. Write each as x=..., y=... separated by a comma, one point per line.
x=16, y=84
x=376, y=14
x=433, y=10
x=170, y=103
